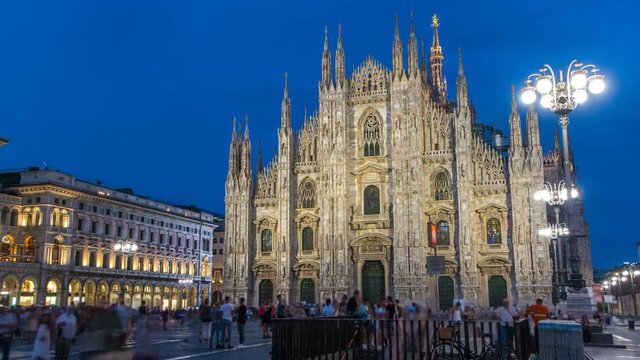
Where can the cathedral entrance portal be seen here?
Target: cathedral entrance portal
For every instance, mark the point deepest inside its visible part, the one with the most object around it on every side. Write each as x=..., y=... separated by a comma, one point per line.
x=265, y=291
x=373, y=281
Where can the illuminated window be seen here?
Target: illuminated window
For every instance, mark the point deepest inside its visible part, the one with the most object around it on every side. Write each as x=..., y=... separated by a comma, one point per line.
x=442, y=233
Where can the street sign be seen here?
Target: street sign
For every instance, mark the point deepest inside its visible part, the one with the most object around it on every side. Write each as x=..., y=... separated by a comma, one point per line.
x=435, y=265
x=609, y=299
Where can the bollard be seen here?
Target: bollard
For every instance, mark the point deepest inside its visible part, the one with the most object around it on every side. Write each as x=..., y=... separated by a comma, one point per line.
x=632, y=324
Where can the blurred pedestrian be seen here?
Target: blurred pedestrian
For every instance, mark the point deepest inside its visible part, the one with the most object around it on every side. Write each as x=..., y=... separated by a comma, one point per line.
x=8, y=323
x=266, y=313
x=204, y=312
x=165, y=317
x=241, y=314
x=42, y=342
x=67, y=325
x=227, y=317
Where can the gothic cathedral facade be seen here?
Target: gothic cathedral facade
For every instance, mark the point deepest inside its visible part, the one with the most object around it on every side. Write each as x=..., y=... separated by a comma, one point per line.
x=345, y=202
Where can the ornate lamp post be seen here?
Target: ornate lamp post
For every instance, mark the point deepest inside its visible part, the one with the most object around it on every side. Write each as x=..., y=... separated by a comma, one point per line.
x=562, y=96
x=124, y=248
x=555, y=196
x=632, y=270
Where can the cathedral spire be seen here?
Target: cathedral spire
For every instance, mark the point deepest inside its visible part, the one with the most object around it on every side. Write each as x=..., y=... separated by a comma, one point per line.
x=397, y=51
x=436, y=57
x=461, y=84
x=326, y=61
x=412, y=61
x=259, y=156
x=533, y=129
x=246, y=150
x=285, y=116
x=233, y=155
x=514, y=122
x=340, y=68
x=423, y=60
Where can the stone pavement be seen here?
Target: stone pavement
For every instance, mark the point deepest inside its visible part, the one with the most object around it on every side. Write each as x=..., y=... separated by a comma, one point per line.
x=621, y=336
x=178, y=343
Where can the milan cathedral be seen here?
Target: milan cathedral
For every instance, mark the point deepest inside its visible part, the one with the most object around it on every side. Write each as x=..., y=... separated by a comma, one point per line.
x=347, y=200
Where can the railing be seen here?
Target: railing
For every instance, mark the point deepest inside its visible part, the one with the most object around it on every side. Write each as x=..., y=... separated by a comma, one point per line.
x=348, y=338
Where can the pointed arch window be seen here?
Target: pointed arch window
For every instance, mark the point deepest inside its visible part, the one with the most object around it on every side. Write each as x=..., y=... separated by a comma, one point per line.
x=372, y=136
x=442, y=186
x=308, y=195
x=442, y=233
x=307, y=239
x=494, y=231
x=265, y=240
x=371, y=200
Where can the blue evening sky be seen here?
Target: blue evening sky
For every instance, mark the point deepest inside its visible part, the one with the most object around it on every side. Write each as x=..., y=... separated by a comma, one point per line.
x=141, y=93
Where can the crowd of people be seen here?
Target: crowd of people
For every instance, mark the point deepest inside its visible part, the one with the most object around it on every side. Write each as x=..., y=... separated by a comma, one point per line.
x=95, y=330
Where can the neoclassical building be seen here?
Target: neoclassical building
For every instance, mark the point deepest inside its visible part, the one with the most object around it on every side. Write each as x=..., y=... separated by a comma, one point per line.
x=347, y=200
x=59, y=239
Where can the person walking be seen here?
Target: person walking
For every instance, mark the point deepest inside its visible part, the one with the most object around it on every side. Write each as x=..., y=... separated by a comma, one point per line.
x=507, y=316
x=266, y=313
x=165, y=317
x=67, y=325
x=141, y=321
x=42, y=342
x=328, y=309
x=281, y=307
x=241, y=315
x=538, y=311
x=227, y=317
x=204, y=313
x=8, y=324
x=216, y=327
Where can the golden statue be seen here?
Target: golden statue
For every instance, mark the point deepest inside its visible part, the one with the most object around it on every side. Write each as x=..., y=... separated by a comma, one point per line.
x=434, y=21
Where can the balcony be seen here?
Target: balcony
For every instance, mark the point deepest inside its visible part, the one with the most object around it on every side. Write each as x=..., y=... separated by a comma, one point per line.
x=18, y=258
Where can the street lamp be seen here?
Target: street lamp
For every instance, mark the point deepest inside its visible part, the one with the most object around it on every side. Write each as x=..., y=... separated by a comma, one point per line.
x=125, y=247
x=614, y=280
x=555, y=195
x=632, y=270
x=562, y=96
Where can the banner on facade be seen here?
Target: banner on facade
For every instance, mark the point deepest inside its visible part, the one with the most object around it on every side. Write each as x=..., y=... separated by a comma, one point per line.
x=597, y=292
x=435, y=265
x=432, y=235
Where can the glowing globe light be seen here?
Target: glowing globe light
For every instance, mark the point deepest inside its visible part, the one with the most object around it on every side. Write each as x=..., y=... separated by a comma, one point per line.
x=544, y=84
x=546, y=101
x=528, y=95
x=580, y=96
x=134, y=247
x=596, y=84
x=118, y=246
x=579, y=79
x=574, y=193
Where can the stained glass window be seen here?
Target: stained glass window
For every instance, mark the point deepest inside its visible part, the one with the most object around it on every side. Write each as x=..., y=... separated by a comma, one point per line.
x=372, y=136
x=442, y=233
x=307, y=195
x=371, y=200
x=307, y=239
x=494, y=231
x=265, y=243
x=442, y=187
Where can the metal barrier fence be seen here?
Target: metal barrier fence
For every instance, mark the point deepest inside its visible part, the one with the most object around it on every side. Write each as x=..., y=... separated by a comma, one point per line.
x=347, y=338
